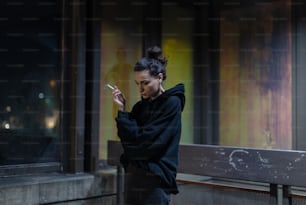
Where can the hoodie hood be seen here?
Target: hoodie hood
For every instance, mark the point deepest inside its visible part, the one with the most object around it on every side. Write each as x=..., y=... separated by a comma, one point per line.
x=179, y=91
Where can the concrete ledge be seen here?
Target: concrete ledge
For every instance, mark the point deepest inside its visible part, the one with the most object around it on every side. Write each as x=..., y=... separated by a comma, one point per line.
x=105, y=200
x=58, y=188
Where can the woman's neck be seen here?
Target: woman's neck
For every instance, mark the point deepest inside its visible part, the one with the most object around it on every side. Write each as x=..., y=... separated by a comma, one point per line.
x=160, y=91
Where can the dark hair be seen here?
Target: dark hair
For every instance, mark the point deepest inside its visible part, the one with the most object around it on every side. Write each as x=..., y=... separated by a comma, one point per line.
x=154, y=62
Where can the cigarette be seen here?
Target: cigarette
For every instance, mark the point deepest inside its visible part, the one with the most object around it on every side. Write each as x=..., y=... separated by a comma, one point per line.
x=111, y=87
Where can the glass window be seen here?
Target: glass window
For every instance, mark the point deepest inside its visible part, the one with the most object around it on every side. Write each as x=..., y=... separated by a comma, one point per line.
x=121, y=47
x=177, y=47
x=255, y=76
x=29, y=82
x=249, y=67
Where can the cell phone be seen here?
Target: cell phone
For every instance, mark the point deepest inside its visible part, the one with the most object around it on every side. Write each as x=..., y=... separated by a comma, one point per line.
x=110, y=86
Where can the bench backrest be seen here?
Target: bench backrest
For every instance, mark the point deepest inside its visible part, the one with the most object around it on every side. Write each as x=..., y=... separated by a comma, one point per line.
x=282, y=167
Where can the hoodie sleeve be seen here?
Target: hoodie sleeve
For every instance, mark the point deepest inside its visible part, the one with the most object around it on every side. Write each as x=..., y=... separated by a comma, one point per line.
x=152, y=139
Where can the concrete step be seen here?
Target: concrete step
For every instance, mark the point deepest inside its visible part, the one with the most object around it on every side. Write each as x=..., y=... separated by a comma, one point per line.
x=58, y=188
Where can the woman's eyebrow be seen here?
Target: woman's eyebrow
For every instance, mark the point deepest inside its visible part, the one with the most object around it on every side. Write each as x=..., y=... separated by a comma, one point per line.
x=142, y=81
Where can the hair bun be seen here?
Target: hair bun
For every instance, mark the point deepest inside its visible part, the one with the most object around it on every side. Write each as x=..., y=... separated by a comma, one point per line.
x=155, y=52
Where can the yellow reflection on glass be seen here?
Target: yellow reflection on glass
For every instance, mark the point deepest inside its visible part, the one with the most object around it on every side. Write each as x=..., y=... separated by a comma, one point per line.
x=177, y=47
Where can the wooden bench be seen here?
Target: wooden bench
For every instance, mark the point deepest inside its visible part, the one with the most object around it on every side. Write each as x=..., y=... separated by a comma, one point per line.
x=278, y=168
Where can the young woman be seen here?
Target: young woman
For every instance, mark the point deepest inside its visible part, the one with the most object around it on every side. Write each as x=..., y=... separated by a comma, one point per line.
x=150, y=133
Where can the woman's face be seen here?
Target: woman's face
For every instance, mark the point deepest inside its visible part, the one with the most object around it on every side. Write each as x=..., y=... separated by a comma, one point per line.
x=149, y=86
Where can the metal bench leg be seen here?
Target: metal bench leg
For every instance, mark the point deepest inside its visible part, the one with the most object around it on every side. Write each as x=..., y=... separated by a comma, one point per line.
x=120, y=185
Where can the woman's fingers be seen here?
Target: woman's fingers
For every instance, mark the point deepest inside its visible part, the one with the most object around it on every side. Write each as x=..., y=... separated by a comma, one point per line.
x=118, y=96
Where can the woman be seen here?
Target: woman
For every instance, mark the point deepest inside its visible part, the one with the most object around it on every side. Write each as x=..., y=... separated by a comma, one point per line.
x=150, y=133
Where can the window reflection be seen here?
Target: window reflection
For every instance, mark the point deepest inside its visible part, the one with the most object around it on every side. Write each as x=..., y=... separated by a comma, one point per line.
x=29, y=83
x=30, y=100
x=120, y=48
x=255, y=77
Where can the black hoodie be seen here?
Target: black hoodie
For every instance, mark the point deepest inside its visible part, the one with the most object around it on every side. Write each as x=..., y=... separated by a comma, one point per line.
x=150, y=135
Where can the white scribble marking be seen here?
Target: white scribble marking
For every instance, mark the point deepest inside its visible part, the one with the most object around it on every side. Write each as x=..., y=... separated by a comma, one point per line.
x=264, y=162
x=299, y=158
x=262, y=159
x=291, y=165
x=232, y=161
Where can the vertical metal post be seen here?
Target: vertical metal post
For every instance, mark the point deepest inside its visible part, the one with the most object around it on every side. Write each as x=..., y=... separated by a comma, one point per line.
x=120, y=185
x=273, y=194
x=287, y=199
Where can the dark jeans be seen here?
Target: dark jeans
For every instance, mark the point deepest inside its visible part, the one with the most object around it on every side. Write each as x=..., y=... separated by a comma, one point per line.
x=143, y=188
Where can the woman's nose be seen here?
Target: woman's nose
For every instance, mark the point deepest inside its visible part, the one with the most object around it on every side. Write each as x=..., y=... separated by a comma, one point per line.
x=140, y=87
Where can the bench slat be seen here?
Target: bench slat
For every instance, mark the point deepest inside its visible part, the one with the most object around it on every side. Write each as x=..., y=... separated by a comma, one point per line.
x=259, y=165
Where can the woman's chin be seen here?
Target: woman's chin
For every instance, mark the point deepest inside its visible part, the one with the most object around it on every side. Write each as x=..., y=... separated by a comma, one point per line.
x=145, y=97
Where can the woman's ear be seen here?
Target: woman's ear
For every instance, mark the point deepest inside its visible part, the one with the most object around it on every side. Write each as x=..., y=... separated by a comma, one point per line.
x=160, y=77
